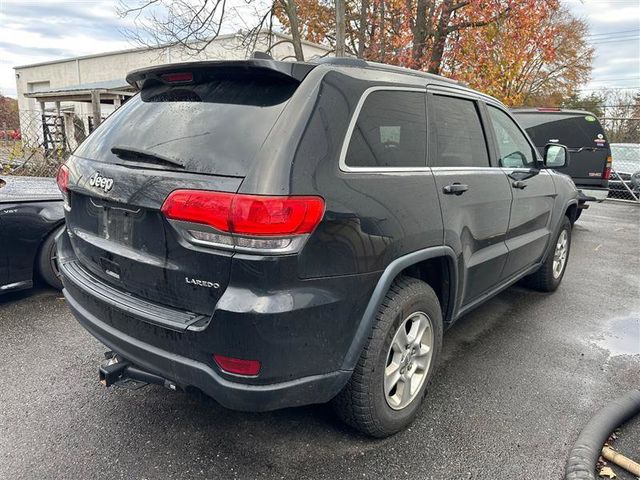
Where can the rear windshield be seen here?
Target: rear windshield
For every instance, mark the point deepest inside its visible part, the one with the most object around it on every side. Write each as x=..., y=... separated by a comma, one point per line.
x=215, y=127
x=572, y=130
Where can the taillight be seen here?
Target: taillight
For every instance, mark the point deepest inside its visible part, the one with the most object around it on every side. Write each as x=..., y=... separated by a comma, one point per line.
x=63, y=178
x=607, y=169
x=210, y=208
x=275, y=216
x=177, y=77
x=247, y=222
x=238, y=366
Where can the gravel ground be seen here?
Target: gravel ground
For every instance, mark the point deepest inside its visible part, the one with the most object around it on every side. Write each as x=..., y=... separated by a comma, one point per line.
x=520, y=377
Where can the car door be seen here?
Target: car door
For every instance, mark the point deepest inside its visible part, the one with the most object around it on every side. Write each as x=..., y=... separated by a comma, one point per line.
x=475, y=198
x=532, y=188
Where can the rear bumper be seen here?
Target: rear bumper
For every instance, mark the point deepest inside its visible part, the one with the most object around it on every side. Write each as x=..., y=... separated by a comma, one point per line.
x=300, y=331
x=186, y=372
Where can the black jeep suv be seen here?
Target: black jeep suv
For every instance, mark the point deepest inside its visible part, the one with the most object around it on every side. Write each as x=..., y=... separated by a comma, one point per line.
x=277, y=234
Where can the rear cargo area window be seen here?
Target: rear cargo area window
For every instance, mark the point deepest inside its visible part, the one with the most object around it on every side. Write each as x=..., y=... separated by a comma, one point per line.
x=216, y=127
x=391, y=131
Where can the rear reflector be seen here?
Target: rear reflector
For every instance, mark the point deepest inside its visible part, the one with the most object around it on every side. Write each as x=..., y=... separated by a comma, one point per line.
x=63, y=178
x=177, y=77
x=251, y=215
x=238, y=366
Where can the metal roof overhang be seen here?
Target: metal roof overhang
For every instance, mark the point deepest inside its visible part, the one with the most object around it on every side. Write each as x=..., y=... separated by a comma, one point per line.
x=108, y=91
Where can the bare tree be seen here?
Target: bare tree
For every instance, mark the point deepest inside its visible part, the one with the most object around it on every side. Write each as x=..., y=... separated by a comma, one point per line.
x=340, y=28
x=194, y=24
x=167, y=23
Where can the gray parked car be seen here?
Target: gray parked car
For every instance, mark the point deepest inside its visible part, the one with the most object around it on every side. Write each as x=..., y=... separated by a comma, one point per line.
x=624, y=182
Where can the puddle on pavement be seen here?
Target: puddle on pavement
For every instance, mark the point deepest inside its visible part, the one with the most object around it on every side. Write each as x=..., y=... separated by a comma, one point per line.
x=622, y=337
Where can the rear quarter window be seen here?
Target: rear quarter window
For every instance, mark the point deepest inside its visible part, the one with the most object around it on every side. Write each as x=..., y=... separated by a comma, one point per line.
x=215, y=127
x=390, y=131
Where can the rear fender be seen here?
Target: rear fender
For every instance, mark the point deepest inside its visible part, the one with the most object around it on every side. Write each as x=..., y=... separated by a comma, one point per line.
x=386, y=279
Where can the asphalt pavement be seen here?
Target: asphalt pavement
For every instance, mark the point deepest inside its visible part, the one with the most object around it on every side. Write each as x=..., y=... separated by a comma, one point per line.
x=521, y=375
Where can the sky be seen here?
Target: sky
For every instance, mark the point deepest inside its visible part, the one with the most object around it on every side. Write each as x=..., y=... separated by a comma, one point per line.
x=32, y=32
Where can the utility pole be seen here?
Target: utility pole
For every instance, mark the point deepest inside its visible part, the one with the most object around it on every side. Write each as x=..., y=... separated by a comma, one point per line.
x=340, y=28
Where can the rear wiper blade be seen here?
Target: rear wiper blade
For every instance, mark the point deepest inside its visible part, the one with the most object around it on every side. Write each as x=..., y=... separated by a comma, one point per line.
x=144, y=156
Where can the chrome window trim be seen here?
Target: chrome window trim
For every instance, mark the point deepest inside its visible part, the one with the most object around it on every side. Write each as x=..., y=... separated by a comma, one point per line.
x=463, y=168
x=352, y=125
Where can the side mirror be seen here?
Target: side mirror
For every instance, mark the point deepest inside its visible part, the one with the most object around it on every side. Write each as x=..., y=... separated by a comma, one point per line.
x=556, y=156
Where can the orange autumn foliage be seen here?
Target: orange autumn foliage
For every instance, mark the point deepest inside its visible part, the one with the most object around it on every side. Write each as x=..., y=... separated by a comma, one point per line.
x=517, y=51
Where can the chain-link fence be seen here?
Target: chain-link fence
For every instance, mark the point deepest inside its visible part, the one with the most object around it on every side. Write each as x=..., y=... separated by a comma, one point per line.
x=624, y=137
x=43, y=142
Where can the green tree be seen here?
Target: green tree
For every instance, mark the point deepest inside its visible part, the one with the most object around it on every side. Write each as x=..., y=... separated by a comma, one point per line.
x=593, y=103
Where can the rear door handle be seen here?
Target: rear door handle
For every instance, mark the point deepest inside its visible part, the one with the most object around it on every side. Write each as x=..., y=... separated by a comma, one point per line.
x=519, y=184
x=455, y=189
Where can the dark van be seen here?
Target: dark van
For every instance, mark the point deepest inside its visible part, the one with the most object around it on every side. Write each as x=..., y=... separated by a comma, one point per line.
x=579, y=130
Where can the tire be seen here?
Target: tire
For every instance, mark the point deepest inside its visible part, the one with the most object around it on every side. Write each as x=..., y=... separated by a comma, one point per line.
x=545, y=279
x=364, y=403
x=47, y=264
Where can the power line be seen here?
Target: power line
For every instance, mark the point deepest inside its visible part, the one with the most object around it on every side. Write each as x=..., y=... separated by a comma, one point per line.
x=623, y=79
x=628, y=36
x=614, y=40
x=612, y=33
x=608, y=88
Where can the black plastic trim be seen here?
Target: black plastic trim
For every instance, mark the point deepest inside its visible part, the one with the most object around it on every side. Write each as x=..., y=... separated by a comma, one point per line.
x=385, y=281
x=170, y=318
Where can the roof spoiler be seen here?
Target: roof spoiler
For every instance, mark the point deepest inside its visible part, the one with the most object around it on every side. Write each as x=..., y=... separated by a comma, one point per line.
x=188, y=71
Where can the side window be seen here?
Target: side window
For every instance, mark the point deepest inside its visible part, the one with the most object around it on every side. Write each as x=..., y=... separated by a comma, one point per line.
x=458, y=132
x=391, y=131
x=514, y=150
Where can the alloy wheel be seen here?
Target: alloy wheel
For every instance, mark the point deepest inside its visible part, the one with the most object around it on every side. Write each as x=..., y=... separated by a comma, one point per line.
x=408, y=360
x=560, y=254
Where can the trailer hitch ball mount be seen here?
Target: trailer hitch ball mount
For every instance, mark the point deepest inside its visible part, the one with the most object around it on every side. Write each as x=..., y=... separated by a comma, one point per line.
x=117, y=370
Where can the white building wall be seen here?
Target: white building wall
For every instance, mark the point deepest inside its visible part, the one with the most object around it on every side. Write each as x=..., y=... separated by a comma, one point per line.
x=116, y=65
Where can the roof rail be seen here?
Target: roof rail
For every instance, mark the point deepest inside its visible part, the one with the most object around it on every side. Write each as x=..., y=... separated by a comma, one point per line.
x=359, y=62
x=410, y=71
x=344, y=61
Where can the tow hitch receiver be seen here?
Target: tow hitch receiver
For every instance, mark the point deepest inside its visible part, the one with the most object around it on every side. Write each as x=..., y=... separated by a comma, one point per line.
x=112, y=370
x=116, y=370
